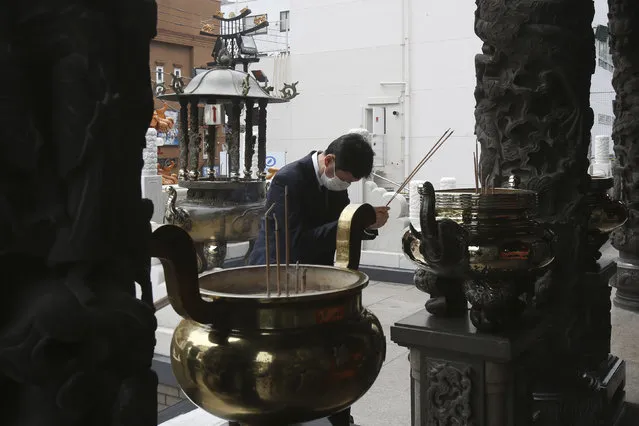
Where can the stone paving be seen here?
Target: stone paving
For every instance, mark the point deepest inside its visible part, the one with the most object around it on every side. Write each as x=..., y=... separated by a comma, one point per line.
x=388, y=401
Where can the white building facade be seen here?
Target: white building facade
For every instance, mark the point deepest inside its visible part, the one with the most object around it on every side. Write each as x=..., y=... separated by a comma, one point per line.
x=403, y=69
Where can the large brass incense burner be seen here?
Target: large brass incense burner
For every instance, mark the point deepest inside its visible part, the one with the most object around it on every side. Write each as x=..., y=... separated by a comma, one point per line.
x=289, y=345
x=484, y=247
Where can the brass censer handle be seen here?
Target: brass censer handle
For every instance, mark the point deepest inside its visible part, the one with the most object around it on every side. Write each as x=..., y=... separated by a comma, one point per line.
x=355, y=218
x=174, y=247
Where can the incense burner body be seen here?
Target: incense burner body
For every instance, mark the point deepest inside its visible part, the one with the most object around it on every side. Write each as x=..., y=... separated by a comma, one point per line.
x=606, y=214
x=279, y=360
x=248, y=357
x=215, y=213
x=487, y=244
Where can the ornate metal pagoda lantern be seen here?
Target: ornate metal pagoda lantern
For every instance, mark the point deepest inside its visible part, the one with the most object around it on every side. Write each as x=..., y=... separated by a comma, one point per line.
x=219, y=210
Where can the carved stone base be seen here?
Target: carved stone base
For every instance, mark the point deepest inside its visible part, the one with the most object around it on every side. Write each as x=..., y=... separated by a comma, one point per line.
x=464, y=377
x=597, y=400
x=627, y=282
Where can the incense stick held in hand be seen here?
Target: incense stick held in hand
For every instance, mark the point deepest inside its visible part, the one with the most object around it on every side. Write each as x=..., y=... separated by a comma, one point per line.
x=447, y=134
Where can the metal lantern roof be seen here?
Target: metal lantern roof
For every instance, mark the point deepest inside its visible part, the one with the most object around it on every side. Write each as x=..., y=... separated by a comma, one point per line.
x=223, y=83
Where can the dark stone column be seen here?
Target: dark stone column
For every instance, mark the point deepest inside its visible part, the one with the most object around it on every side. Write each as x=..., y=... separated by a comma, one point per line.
x=249, y=140
x=533, y=120
x=194, y=141
x=234, y=146
x=210, y=150
x=76, y=344
x=624, y=39
x=184, y=138
x=261, y=140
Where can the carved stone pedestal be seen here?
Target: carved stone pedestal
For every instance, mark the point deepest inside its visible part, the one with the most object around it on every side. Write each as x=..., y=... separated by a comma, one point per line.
x=461, y=376
x=600, y=400
x=586, y=389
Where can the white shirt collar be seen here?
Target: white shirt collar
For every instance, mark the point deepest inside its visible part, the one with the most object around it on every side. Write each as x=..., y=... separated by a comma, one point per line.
x=316, y=167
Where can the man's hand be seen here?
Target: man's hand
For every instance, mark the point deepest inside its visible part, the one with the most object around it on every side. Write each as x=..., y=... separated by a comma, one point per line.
x=382, y=216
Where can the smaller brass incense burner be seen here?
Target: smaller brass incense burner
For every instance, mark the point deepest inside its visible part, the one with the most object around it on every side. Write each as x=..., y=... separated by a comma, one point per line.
x=482, y=247
x=257, y=353
x=606, y=214
x=215, y=213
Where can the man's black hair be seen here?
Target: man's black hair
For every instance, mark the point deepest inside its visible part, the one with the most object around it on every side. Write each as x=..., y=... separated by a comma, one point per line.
x=352, y=154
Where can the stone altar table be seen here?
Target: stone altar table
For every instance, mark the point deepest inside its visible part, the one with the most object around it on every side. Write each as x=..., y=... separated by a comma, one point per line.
x=461, y=376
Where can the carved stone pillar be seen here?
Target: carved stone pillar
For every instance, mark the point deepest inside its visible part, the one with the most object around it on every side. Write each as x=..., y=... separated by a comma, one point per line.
x=76, y=344
x=261, y=140
x=211, y=143
x=184, y=139
x=533, y=120
x=624, y=39
x=234, y=146
x=194, y=141
x=249, y=140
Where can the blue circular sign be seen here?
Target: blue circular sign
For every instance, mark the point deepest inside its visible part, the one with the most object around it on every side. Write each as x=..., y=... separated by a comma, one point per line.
x=270, y=161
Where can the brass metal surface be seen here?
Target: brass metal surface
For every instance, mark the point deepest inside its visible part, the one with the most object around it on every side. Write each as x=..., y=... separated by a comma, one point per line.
x=244, y=356
x=606, y=214
x=218, y=210
x=355, y=218
x=278, y=378
x=504, y=236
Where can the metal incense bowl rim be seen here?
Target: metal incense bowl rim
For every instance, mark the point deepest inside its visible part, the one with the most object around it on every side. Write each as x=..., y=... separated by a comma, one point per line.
x=220, y=183
x=249, y=283
x=493, y=199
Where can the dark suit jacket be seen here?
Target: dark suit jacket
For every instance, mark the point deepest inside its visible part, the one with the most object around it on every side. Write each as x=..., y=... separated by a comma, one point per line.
x=313, y=214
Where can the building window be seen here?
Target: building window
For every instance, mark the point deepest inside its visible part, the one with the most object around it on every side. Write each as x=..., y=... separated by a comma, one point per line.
x=159, y=74
x=604, y=119
x=254, y=20
x=284, y=21
x=178, y=72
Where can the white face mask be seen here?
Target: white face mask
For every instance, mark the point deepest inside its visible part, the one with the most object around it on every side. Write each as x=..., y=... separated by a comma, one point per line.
x=334, y=183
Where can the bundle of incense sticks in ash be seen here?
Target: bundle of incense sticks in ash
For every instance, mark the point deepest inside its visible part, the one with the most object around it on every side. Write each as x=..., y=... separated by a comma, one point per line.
x=447, y=134
x=298, y=288
x=480, y=187
x=476, y=168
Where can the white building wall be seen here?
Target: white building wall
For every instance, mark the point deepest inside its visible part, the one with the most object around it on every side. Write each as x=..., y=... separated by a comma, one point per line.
x=601, y=97
x=342, y=50
x=443, y=49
